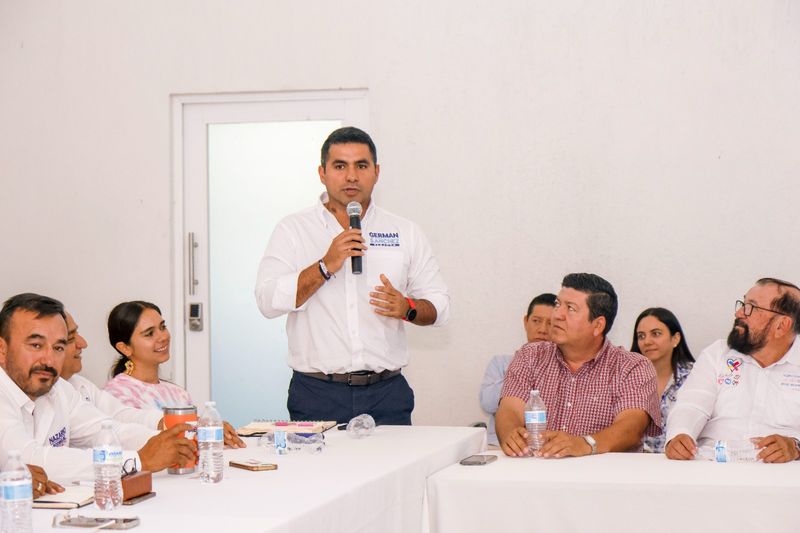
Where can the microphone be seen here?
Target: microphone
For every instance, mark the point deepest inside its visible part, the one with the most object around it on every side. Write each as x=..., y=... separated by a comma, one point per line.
x=354, y=212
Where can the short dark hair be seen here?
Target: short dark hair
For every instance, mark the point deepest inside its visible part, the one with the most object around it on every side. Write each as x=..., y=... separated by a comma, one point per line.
x=347, y=135
x=43, y=306
x=121, y=322
x=545, y=298
x=788, y=300
x=681, y=355
x=601, y=299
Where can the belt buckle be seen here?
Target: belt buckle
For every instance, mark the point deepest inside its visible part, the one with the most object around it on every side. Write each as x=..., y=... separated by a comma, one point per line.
x=360, y=373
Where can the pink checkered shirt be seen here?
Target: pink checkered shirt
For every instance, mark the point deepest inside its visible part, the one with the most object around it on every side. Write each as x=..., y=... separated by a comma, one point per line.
x=587, y=401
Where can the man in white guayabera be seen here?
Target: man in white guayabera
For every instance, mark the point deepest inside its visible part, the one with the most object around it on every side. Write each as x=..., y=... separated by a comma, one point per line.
x=44, y=416
x=748, y=387
x=346, y=329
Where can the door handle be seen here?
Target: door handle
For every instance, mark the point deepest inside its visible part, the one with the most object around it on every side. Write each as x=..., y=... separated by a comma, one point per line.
x=192, y=278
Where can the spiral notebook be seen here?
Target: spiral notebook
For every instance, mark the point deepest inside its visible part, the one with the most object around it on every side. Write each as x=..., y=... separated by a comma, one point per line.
x=259, y=427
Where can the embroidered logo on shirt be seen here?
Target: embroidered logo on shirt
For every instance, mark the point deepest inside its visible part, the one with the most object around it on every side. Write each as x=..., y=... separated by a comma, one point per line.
x=59, y=439
x=733, y=364
x=377, y=238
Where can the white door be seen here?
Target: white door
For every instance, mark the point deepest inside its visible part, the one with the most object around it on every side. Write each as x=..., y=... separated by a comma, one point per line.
x=242, y=162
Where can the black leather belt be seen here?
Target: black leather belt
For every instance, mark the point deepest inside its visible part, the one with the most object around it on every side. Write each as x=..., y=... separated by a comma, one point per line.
x=355, y=379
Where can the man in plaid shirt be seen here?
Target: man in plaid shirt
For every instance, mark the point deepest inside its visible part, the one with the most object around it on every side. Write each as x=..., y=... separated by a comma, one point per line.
x=599, y=397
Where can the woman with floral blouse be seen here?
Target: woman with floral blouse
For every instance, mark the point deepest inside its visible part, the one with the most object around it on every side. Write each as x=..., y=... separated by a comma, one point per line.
x=658, y=336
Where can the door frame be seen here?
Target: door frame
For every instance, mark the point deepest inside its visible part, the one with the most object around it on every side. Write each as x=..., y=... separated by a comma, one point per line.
x=198, y=381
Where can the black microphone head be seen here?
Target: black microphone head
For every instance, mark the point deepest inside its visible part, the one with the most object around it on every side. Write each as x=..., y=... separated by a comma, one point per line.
x=354, y=209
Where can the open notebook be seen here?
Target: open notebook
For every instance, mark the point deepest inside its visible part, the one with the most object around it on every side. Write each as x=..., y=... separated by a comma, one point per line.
x=72, y=497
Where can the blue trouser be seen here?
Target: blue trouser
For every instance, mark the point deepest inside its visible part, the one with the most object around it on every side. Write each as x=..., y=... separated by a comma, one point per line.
x=389, y=402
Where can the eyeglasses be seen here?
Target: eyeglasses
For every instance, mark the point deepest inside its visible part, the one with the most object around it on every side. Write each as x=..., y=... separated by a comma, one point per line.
x=129, y=467
x=748, y=308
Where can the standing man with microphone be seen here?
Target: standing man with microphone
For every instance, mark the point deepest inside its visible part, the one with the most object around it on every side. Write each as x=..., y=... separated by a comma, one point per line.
x=346, y=319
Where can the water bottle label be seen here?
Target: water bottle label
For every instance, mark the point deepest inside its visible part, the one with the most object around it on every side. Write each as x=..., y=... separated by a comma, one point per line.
x=720, y=452
x=280, y=440
x=17, y=490
x=107, y=456
x=209, y=434
x=535, y=417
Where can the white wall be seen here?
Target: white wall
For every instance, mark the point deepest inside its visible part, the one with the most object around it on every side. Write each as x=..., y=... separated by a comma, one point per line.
x=652, y=142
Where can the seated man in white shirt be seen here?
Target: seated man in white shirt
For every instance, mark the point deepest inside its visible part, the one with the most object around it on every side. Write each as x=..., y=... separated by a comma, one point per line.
x=537, y=328
x=108, y=404
x=45, y=418
x=749, y=386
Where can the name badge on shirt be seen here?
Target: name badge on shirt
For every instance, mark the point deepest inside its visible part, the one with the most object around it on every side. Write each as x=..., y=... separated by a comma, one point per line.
x=790, y=382
x=59, y=439
x=379, y=238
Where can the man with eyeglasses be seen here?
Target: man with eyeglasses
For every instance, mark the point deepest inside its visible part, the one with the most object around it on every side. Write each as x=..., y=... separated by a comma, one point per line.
x=537, y=328
x=747, y=387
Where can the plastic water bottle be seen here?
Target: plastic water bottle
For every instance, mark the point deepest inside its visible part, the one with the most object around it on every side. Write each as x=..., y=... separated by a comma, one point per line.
x=535, y=421
x=360, y=426
x=17, y=496
x=731, y=451
x=107, y=459
x=210, y=443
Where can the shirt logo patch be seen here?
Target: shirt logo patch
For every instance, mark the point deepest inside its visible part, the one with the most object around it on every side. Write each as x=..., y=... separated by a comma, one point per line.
x=59, y=439
x=377, y=238
x=733, y=364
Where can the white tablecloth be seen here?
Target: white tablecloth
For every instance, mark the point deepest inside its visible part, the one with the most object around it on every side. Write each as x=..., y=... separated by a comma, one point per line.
x=615, y=493
x=373, y=484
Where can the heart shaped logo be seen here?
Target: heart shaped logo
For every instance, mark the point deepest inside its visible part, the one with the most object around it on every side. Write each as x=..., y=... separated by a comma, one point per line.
x=734, y=364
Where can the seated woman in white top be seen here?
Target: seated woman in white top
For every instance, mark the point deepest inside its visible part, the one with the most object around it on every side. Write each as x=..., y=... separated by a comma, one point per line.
x=138, y=332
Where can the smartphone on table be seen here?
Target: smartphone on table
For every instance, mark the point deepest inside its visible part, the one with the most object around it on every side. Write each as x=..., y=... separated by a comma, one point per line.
x=253, y=465
x=478, y=460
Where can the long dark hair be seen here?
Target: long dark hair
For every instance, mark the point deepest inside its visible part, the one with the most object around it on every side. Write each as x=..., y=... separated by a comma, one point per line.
x=681, y=354
x=121, y=323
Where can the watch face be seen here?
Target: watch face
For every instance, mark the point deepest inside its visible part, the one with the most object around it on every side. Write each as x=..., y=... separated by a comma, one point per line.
x=411, y=315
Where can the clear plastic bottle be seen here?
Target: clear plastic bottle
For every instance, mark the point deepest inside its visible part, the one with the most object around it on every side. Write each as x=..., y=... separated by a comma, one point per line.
x=107, y=459
x=535, y=421
x=210, y=443
x=731, y=451
x=17, y=496
x=360, y=426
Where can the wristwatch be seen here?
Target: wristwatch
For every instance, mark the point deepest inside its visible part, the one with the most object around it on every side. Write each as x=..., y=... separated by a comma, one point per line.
x=411, y=314
x=797, y=447
x=591, y=442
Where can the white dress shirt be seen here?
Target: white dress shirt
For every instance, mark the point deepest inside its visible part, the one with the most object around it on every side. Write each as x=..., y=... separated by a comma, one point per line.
x=49, y=431
x=337, y=330
x=729, y=396
x=112, y=407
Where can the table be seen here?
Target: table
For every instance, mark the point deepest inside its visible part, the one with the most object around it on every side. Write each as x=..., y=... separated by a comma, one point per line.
x=372, y=484
x=614, y=492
